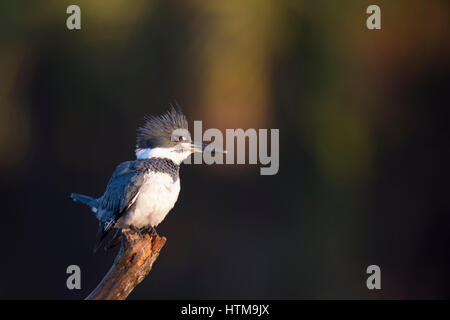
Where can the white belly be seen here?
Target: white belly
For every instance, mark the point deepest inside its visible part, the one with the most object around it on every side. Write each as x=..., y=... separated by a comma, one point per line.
x=155, y=199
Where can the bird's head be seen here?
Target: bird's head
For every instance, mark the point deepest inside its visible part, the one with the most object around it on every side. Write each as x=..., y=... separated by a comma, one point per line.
x=167, y=136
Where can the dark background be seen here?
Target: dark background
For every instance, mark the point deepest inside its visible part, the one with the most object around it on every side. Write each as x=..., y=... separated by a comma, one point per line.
x=364, y=154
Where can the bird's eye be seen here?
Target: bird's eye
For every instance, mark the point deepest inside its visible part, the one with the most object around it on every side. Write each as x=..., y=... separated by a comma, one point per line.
x=180, y=138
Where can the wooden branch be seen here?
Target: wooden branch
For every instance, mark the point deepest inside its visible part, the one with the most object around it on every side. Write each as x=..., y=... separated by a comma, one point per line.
x=132, y=264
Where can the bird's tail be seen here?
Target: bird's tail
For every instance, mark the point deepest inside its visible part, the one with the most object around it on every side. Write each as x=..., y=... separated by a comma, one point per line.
x=105, y=240
x=89, y=201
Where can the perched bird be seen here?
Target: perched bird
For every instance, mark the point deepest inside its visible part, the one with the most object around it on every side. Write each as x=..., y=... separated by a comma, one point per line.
x=141, y=193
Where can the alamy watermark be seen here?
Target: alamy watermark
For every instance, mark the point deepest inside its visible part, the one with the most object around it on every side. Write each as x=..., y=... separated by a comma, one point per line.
x=74, y=280
x=234, y=142
x=374, y=280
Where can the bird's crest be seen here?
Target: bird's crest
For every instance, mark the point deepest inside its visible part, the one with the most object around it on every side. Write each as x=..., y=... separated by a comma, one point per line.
x=157, y=130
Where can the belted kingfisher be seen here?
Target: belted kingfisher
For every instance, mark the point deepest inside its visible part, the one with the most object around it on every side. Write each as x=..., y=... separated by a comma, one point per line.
x=141, y=193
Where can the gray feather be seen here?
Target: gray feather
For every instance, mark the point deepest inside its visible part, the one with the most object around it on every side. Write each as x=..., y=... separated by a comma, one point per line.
x=158, y=130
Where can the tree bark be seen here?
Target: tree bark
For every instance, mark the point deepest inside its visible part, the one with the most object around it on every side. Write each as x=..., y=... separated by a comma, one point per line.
x=132, y=264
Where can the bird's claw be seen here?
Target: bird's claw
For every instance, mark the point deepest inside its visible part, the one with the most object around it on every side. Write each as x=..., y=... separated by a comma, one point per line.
x=151, y=231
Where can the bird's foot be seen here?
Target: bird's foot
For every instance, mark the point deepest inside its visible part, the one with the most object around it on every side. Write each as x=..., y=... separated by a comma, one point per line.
x=151, y=231
x=137, y=230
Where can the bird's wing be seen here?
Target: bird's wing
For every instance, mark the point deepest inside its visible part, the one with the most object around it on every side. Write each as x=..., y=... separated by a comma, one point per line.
x=121, y=192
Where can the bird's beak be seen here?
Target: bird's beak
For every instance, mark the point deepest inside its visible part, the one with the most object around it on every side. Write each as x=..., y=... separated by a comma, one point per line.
x=200, y=147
